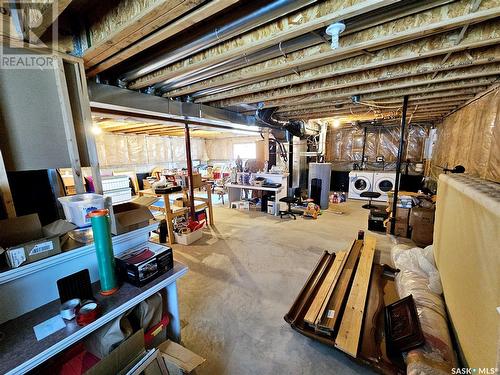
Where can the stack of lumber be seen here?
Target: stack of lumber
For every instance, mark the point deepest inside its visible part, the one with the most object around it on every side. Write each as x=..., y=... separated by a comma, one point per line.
x=341, y=304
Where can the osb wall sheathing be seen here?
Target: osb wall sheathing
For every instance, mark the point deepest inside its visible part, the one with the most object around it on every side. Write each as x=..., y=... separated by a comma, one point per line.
x=471, y=137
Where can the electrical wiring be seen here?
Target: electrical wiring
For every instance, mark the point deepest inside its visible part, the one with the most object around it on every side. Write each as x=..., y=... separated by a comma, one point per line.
x=379, y=106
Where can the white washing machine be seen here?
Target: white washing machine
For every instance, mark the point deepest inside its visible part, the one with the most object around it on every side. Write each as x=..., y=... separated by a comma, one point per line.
x=383, y=182
x=360, y=182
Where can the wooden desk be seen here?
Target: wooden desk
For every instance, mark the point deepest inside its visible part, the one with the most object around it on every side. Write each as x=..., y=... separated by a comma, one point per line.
x=172, y=212
x=235, y=194
x=20, y=351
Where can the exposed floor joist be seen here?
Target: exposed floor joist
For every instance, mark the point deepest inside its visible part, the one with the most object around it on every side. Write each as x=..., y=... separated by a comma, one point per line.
x=478, y=36
x=117, y=33
x=124, y=50
x=320, y=55
x=394, y=103
x=394, y=73
x=310, y=19
x=381, y=99
x=475, y=75
x=350, y=108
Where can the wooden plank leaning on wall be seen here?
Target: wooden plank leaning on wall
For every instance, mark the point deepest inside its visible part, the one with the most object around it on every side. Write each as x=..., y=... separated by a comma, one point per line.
x=5, y=194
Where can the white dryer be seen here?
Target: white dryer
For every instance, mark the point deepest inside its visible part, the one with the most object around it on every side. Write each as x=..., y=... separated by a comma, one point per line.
x=383, y=182
x=360, y=182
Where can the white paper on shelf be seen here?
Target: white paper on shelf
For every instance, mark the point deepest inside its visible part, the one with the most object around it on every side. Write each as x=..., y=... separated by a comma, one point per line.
x=48, y=327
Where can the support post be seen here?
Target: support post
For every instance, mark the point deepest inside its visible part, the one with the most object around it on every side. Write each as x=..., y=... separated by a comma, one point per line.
x=190, y=171
x=398, y=164
x=69, y=126
x=364, y=148
x=290, y=162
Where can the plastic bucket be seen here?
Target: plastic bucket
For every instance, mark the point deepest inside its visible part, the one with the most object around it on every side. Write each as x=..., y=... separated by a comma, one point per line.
x=77, y=207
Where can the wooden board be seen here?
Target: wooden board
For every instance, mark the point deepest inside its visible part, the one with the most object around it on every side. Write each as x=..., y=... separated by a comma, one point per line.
x=129, y=48
x=332, y=286
x=5, y=193
x=322, y=293
x=294, y=25
x=349, y=333
x=329, y=319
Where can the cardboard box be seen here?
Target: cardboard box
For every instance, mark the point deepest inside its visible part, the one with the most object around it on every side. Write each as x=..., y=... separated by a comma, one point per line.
x=180, y=202
x=125, y=353
x=24, y=240
x=178, y=359
x=142, y=264
x=197, y=181
x=422, y=225
x=400, y=229
x=422, y=234
x=403, y=213
x=133, y=215
x=421, y=215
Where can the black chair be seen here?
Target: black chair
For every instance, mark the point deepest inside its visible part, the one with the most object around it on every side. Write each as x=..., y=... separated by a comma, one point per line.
x=288, y=201
x=371, y=195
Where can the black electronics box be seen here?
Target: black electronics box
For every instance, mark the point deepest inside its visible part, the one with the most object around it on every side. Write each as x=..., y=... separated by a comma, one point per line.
x=376, y=219
x=142, y=264
x=168, y=190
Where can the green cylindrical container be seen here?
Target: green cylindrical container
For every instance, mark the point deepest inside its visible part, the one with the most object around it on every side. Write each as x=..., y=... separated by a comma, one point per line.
x=104, y=251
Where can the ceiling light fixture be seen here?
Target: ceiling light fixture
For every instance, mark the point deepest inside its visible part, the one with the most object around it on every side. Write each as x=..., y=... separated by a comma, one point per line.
x=335, y=29
x=96, y=130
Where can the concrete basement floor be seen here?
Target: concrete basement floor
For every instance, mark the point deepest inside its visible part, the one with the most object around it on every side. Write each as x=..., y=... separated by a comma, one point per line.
x=244, y=275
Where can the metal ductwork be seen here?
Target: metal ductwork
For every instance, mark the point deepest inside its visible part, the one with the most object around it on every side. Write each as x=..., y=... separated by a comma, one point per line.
x=250, y=21
x=294, y=127
x=112, y=99
x=198, y=75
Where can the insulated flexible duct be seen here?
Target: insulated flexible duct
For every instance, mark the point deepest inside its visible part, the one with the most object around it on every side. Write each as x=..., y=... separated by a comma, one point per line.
x=294, y=127
x=281, y=49
x=250, y=21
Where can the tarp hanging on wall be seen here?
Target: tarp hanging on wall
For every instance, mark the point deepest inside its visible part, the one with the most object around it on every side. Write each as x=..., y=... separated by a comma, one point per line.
x=117, y=150
x=347, y=144
x=471, y=137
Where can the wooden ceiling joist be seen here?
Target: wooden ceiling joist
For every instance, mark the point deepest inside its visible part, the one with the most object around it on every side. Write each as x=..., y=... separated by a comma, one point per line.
x=477, y=36
x=298, y=110
x=382, y=36
x=347, y=108
x=125, y=50
x=362, y=110
x=49, y=14
x=476, y=74
x=115, y=29
x=393, y=73
x=299, y=23
x=428, y=48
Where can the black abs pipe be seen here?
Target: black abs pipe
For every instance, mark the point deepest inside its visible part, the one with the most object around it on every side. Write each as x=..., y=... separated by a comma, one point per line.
x=364, y=148
x=398, y=164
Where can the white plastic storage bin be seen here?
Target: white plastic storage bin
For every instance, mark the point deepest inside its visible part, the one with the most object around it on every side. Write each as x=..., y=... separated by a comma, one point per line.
x=187, y=239
x=119, y=196
x=76, y=207
x=115, y=183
